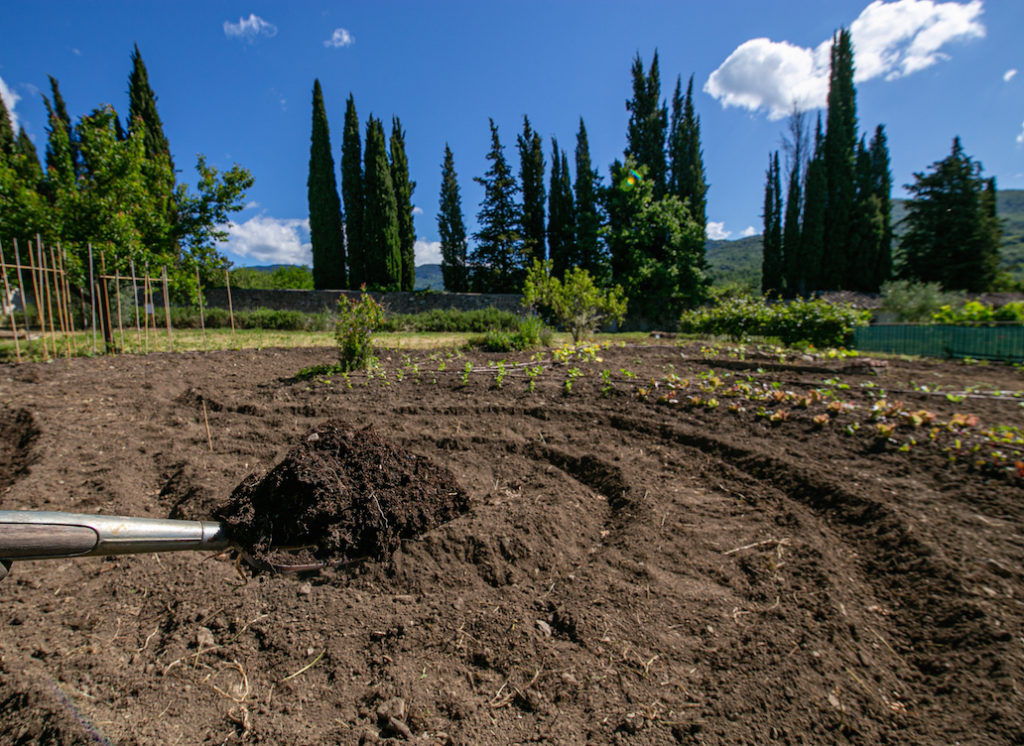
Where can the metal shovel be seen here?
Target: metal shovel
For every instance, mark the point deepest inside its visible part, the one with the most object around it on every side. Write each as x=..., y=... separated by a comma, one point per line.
x=34, y=535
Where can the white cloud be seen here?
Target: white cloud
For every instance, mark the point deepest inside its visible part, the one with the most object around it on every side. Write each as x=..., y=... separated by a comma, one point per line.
x=10, y=100
x=748, y=231
x=427, y=252
x=716, y=231
x=249, y=28
x=340, y=38
x=890, y=39
x=1008, y=75
x=417, y=210
x=1020, y=137
x=267, y=240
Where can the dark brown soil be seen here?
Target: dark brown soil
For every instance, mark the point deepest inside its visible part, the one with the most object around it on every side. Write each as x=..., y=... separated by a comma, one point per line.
x=341, y=494
x=681, y=550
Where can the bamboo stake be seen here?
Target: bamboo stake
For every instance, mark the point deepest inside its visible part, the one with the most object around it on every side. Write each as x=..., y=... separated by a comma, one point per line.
x=39, y=306
x=135, y=299
x=199, y=292
x=46, y=292
x=146, y=289
x=92, y=298
x=61, y=256
x=231, y=311
x=7, y=296
x=167, y=310
x=58, y=292
x=117, y=289
x=108, y=330
x=24, y=296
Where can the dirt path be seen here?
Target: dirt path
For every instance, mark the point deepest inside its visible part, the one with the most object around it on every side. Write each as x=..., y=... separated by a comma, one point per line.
x=629, y=570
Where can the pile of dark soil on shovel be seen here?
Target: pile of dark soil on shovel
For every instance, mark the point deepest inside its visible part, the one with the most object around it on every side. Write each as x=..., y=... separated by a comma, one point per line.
x=343, y=493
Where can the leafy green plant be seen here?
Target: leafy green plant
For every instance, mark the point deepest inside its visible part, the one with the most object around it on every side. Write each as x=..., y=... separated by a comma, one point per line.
x=465, y=373
x=357, y=321
x=531, y=376
x=499, y=378
x=574, y=302
x=570, y=377
x=606, y=383
x=916, y=302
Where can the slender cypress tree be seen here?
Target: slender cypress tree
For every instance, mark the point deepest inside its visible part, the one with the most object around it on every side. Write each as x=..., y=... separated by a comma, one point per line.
x=497, y=260
x=686, y=157
x=881, y=186
x=792, y=254
x=452, y=229
x=648, y=120
x=28, y=168
x=866, y=228
x=560, y=213
x=531, y=178
x=404, y=188
x=58, y=112
x=586, y=211
x=772, y=261
x=953, y=233
x=325, y=226
x=812, y=236
x=142, y=108
x=380, y=225
x=6, y=131
x=352, y=195
x=840, y=162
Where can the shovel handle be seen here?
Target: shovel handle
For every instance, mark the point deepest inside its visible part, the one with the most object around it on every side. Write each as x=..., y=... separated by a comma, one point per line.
x=40, y=540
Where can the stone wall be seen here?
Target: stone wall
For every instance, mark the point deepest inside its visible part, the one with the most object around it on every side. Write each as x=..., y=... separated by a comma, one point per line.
x=315, y=301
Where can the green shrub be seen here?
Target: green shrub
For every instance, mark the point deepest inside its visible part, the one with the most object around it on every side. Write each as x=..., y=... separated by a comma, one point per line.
x=574, y=302
x=815, y=322
x=354, y=331
x=916, y=302
x=529, y=334
x=453, y=320
x=975, y=313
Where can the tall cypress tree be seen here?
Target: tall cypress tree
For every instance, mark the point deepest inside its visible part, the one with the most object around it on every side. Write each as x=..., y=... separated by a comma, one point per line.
x=452, y=229
x=28, y=168
x=6, y=131
x=881, y=185
x=794, y=261
x=531, y=178
x=840, y=162
x=142, y=108
x=686, y=157
x=866, y=228
x=325, y=227
x=353, y=197
x=380, y=224
x=497, y=260
x=404, y=188
x=812, y=235
x=560, y=213
x=772, y=260
x=648, y=121
x=585, y=209
x=57, y=112
x=953, y=233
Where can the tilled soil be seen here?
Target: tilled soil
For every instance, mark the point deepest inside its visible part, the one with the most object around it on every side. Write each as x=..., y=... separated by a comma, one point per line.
x=638, y=564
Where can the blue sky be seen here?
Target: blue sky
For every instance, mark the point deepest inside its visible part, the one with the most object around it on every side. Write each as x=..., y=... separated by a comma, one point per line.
x=234, y=81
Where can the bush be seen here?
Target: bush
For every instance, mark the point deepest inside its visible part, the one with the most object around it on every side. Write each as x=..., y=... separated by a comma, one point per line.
x=815, y=322
x=974, y=313
x=530, y=333
x=574, y=302
x=453, y=320
x=354, y=331
x=916, y=302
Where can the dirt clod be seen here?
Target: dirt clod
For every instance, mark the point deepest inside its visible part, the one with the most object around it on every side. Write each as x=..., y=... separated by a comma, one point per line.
x=342, y=493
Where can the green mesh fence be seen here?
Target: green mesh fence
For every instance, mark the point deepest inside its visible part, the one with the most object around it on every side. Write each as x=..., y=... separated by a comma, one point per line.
x=981, y=342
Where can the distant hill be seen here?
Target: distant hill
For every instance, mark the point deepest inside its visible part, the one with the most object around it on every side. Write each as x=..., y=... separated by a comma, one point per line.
x=428, y=277
x=740, y=261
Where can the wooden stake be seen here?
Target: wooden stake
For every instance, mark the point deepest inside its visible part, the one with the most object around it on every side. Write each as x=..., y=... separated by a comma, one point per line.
x=58, y=292
x=108, y=330
x=92, y=298
x=231, y=311
x=117, y=289
x=135, y=299
x=46, y=292
x=24, y=295
x=39, y=306
x=7, y=297
x=61, y=257
x=146, y=289
x=167, y=310
x=199, y=292
x=206, y=420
